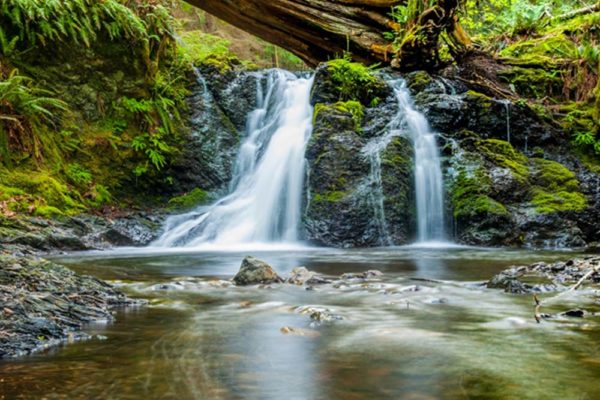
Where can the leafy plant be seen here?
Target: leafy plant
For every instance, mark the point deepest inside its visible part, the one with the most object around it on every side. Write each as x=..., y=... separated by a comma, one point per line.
x=78, y=175
x=354, y=81
x=24, y=108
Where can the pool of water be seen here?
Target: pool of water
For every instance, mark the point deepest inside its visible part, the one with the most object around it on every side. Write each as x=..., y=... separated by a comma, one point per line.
x=425, y=330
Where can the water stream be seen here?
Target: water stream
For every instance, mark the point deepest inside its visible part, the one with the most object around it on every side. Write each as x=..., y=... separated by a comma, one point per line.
x=400, y=337
x=264, y=203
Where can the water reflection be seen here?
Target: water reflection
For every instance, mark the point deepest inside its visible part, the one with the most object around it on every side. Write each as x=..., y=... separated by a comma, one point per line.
x=440, y=338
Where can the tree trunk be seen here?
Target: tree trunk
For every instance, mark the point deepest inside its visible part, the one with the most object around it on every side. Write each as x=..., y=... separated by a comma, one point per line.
x=317, y=30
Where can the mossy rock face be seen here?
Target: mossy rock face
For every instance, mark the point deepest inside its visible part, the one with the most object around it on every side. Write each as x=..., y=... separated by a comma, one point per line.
x=188, y=201
x=418, y=81
x=340, y=208
x=501, y=197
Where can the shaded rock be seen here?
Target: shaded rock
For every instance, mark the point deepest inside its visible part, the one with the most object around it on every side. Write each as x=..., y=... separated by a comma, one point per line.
x=254, y=271
x=577, y=313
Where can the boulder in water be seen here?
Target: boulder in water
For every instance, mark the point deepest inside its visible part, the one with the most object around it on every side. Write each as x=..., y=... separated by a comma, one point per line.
x=302, y=276
x=254, y=271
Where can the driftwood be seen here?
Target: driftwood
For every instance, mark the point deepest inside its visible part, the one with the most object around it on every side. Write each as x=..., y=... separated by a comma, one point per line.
x=577, y=285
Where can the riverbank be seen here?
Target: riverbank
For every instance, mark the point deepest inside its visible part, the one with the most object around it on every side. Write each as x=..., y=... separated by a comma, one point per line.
x=43, y=304
x=27, y=235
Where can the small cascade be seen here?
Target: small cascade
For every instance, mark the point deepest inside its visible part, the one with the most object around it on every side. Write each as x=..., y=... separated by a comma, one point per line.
x=507, y=105
x=265, y=194
x=429, y=190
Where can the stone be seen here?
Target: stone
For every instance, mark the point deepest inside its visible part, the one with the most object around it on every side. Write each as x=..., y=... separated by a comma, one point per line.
x=302, y=276
x=254, y=271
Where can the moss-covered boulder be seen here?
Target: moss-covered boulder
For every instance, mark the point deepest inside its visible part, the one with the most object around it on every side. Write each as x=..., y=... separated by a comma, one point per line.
x=360, y=177
x=500, y=196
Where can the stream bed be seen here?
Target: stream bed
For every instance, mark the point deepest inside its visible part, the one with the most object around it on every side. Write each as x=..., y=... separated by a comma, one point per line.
x=425, y=329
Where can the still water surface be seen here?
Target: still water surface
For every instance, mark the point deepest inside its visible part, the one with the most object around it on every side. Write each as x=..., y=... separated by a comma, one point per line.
x=401, y=337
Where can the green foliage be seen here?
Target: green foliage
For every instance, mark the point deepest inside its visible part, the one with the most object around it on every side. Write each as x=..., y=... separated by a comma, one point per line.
x=156, y=150
x=354, y=81
x=188, y=201
x=78, y=175
x=78, y=21
x=24, y=108
x=202, y=48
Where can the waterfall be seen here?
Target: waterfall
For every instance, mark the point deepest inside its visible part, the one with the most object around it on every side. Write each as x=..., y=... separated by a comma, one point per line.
x=429, y=188
x=265, y=194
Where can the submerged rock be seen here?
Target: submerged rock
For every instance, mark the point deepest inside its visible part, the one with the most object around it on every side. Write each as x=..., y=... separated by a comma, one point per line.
x=254, y=271
x=43, y=304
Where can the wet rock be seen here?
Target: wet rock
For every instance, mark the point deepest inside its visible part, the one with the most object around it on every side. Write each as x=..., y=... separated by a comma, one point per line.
x=302, y=276
x=27, y=235
x=370, y=274
x=319, y=314
x=343, y=194
x=44, y=304
x=577, y=313
x=542, y=277
x=254, y=271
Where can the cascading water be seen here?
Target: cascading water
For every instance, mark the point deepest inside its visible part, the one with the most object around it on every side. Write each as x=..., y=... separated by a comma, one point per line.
x=429, y=190
x=265, y=196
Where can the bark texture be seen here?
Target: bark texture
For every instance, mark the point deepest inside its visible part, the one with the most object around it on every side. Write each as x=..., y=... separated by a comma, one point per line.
x=316, y=30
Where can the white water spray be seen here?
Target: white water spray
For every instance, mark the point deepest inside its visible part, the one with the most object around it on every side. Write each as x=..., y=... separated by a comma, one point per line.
x=265, y=199
x=429, y=188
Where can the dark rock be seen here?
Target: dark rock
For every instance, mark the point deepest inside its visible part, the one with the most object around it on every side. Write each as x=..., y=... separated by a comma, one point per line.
x=344, y=200
x=43, y=304
x=254, y=271
x=577, y=313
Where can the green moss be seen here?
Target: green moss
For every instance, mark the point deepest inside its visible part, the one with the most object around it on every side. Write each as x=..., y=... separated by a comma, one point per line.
x=41, y=188
x=47, y=212
x=352, y=107
x=556, y=188
x=479, y=205
x=468, y=194
x=354, y=81
x=544, y=49
x=333, y=196
x=554, y=176
x=502, y=153
x=551, y=202
x=188, y=201
x=418, y=81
